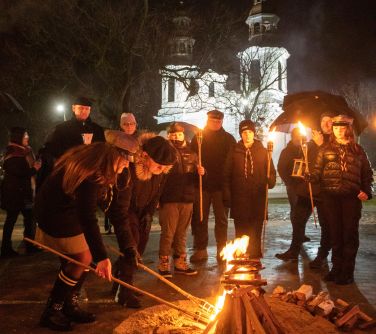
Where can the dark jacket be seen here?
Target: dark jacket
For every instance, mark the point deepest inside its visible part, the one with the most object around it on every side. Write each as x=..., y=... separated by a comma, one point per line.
x=286, y=164
x=16, y=190
x=181, y=180
x=145, y=194
x=343, y=170
x=60, y=215
x=214, y=150
x=69, y=134
x=246, y=193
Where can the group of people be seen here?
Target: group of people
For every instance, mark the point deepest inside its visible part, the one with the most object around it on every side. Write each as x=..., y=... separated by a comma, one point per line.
x=340, y=177
x=129, y=174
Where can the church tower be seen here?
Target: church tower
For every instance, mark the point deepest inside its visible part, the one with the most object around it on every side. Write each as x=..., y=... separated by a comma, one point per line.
x=263, y=66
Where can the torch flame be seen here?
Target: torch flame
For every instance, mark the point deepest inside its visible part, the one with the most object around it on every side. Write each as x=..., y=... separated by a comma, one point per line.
x=271, y=135
x=302, y=129
x=219, y=305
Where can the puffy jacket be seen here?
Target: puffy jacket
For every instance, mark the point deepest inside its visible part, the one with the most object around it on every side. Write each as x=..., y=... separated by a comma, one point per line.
x=180, y=183
x=343, y=170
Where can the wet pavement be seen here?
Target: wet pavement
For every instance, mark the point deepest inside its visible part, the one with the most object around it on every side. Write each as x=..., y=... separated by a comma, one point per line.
x=25, y=281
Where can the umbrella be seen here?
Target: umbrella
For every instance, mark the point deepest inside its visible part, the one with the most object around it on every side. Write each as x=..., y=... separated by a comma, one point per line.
x=9, y=103
x=307, y=107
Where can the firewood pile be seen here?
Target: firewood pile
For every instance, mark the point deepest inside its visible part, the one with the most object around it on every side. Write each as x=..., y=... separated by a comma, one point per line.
x=345, y=316
x=246, y=311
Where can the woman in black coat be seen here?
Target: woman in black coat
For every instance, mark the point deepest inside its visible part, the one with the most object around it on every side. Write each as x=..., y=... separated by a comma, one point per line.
x=245, y=181
x=84, y=178
x=16, y=189
x=345, y=175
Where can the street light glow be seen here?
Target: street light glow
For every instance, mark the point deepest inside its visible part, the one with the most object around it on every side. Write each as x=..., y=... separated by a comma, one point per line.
x=60, y=108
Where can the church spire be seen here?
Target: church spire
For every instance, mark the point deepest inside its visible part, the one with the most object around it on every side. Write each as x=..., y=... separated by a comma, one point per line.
x=181, y=42
x=262, y=22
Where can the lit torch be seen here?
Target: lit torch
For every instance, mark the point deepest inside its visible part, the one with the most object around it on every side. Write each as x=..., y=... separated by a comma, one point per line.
x=270, y=147
x=303, y=144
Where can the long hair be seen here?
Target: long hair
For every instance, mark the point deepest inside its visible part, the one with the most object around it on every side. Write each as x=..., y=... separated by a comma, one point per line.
x=350, y=136
x=95, y=162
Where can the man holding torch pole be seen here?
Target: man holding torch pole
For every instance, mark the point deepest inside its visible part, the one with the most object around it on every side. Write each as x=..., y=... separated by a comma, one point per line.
x=214, y=146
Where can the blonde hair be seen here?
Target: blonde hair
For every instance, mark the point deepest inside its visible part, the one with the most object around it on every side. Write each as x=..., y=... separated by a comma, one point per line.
x=95, y=162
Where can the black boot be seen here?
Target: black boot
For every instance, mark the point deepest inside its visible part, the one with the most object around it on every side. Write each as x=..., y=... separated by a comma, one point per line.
x=318, y=262
x=53, y=316
x=288, y=255
x=126, y=297
x=72, y=307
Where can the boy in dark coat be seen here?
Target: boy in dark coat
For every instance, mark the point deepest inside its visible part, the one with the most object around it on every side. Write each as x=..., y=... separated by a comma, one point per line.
x=245, y=183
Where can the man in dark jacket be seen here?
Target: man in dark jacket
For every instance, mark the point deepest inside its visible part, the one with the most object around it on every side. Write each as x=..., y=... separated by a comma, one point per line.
x=303, y=208
x=216, y=143
x=286, y=164
x=80, y=129
x=176, y=205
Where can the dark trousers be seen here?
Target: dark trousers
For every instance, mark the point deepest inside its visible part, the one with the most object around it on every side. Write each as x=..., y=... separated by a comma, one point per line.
x=302, y=212
x=292, y=197
x=344, y=213
x=253, y=229
x=140, y=232
x=200, y=229
x=10, y=221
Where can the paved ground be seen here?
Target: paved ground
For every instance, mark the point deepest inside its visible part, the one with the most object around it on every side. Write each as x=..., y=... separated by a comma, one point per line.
x=25, y=281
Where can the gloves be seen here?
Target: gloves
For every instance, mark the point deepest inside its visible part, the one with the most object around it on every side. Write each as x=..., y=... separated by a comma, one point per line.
x=130, y=257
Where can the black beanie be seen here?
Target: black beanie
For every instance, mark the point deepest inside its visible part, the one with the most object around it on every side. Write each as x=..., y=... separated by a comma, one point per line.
x=247, y=124
x=160, y=150
x=83, y=101
x=16, y=135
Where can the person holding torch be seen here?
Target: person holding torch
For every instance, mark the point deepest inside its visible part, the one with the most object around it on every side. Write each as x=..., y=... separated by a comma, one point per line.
x=245, y=183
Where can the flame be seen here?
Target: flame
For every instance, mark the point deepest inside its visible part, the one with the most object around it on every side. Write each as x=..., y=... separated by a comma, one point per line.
x=234, y=249
x=271, y=135
x=219, y=305
x=302, y=129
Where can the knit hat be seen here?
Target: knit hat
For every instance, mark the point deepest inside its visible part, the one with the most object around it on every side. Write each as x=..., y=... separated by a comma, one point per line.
x=160, y=150
x=121, y=140
x=83, y=101
x=175, y=127
x=342, y=120
x=215, y=114
x=127, y=118
x=16, y=134
x=247, y=124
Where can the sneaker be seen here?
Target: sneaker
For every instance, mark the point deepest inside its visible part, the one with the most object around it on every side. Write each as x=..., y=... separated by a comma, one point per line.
x=199, y=255
x=182, y=267
x=318, y=262
x=164, y=267
x=286, y=256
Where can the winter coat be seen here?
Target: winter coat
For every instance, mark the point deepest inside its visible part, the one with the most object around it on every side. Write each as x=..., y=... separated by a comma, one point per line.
x=181, y=180
x=214, y=149
x=61, y=215
x=245, y=181
x=286, y=164
x=343, y=170
x=69, y=134
x=16, y=188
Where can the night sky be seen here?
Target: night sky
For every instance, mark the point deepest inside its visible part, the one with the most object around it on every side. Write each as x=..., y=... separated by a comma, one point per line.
x=330, y=42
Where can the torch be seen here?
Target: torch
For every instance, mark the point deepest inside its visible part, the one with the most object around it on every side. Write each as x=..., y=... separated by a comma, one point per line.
x=303, y=144
x=199, y=143
x=270, y=147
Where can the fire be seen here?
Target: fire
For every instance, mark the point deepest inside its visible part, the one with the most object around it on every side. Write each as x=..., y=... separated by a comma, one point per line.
x=219, y=305
x=234, y=249
x=302, y=129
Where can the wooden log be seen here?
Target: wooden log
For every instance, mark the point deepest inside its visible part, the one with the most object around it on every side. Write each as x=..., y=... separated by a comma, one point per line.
x=304, y=292
x=349, y=325
x=346, y=317
x=224, y=320
x=236, y=327
x=362, y=315
x=324, y=308
x=250, y=312
x=322, y=296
